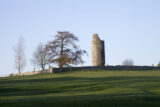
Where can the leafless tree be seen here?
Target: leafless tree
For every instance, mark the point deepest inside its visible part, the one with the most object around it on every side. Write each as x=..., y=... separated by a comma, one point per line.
x=64, y=51
x=40, y=57
x=158, y=64
x=19, y=55
x=128, y=62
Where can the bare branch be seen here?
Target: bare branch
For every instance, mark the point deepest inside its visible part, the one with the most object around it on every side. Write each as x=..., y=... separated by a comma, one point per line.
x=40, y=57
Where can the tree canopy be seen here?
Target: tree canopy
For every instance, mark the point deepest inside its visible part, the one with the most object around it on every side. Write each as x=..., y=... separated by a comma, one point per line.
x=64, y=51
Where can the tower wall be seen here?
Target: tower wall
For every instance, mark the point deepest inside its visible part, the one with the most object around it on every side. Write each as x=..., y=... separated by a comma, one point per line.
x=103, y=53
x=98, y=51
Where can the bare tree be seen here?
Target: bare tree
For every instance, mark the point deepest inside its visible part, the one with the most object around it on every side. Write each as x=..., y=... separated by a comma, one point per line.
x=128, y=62
x=19, y=55
x=40, y=57
x=158, y=64
x=64, y=51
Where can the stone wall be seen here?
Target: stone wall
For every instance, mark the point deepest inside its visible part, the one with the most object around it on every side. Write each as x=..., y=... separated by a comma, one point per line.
x=92, y=68
x=114, y=68
x=50, y=70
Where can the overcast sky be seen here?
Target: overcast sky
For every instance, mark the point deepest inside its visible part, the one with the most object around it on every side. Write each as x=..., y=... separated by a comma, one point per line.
x=130, y=28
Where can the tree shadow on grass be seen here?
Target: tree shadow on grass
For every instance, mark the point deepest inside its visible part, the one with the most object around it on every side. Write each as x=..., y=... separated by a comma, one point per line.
x=30, y=87
x=92, y=100
x=97, y=79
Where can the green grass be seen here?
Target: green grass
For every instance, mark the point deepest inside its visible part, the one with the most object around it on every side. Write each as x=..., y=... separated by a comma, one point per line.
x=83, y=89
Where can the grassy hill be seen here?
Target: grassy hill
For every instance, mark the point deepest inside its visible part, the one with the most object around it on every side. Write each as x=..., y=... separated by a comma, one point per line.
x=83, y=89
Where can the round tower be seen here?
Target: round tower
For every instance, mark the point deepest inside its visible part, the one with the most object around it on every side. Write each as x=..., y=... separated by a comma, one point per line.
x=98, y=51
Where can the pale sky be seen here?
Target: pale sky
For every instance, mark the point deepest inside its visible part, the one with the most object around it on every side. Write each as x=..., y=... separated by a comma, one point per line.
x=130, y=28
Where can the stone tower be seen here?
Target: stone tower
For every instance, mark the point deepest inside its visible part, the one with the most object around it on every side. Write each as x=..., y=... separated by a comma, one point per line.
x=98, y=51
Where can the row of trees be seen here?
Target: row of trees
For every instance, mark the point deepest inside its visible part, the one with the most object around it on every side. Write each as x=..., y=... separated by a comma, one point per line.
x=62, y=50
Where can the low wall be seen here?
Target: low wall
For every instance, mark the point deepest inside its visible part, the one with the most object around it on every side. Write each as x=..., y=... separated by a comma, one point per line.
x=91, y=68
x=117, y=68
x=33, y=72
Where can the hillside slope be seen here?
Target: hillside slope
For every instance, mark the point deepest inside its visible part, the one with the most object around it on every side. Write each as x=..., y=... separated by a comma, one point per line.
x=83, y=89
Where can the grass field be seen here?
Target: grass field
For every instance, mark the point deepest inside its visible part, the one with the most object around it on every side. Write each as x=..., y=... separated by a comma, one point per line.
x=83, y=89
